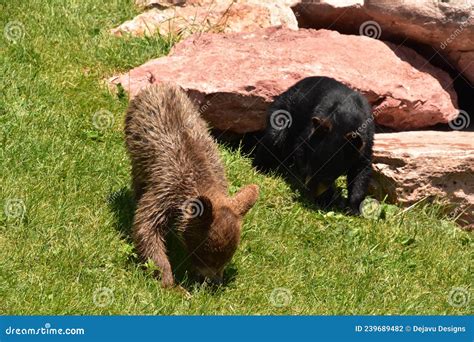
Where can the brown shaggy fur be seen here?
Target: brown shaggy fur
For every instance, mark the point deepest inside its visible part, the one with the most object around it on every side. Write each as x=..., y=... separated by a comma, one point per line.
x=179, y=182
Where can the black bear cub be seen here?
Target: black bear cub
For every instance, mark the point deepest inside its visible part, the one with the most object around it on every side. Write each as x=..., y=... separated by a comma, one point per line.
x=318, y=130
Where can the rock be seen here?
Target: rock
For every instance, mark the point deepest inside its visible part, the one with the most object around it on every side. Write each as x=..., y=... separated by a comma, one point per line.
x=208, y=16
x=236, y=88
x=447, y=26
x=412, y=166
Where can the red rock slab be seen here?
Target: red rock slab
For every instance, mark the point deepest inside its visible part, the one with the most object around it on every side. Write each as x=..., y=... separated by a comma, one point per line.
x=237, y=75
x=412, y=166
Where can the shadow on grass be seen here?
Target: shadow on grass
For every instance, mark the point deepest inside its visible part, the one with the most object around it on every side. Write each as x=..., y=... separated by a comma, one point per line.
x=122, y=205
x=247, y=144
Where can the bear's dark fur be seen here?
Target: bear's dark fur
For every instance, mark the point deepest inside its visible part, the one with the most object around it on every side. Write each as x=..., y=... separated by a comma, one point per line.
x=318, y=130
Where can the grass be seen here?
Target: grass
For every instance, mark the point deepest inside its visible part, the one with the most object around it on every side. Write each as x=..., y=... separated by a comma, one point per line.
x=72, y=240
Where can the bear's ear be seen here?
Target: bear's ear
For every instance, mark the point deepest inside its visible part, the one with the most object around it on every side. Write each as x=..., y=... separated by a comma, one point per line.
x=245, y=199
x=198, y=210
x=321, y=124
x=355, y=139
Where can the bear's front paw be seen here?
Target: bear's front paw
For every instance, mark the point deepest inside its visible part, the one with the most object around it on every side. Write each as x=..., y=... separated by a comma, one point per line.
x=353, y=210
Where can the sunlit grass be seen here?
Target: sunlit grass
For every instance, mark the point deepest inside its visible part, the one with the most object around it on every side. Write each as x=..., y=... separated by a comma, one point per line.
x=73, y=179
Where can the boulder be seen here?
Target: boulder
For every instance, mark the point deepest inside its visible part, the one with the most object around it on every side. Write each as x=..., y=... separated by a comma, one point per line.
x=192, y=16
x=447, y=26
x=235, y=88
x=412, y=166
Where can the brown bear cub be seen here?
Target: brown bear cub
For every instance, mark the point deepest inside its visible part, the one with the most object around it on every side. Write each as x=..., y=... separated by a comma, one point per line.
x=180, y=184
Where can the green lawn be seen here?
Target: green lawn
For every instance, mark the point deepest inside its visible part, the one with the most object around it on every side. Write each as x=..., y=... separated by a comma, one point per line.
x=70, y=252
